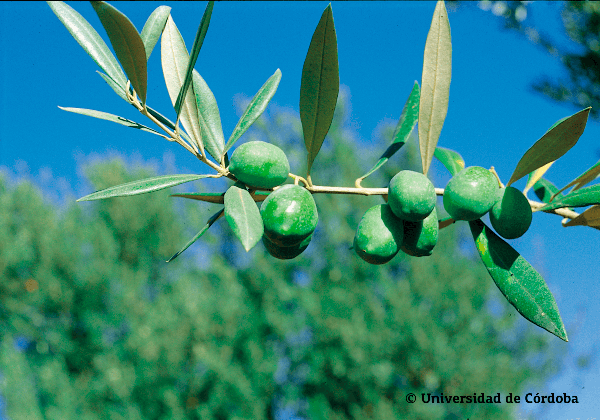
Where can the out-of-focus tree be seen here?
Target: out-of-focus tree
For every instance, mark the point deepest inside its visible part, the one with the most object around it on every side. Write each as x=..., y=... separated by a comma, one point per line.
x=96, y=325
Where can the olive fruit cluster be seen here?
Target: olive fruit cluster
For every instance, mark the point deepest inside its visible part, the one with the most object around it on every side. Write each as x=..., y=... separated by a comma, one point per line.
x=408, y=222
x=289, y=213
x=474, y=191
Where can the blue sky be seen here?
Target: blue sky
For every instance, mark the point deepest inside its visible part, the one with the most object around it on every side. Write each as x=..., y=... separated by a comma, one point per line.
x=493, y=116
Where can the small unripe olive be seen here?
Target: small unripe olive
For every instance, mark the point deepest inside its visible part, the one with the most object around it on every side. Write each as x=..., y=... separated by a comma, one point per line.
x=411, y=196
x=421, y=237
x=289, y=215
x=379, y=235
x=471, y=193
x=286, y=252
x=511, y=215
x=259, y=164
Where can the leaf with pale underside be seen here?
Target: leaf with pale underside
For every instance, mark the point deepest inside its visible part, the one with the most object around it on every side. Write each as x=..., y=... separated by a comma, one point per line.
x=557, y=141
x=451, y=160
x=590, y=217
x=198, y=41
x=114, y=118
x=519, y=282
x=90, y=40
x=404, y=128
x=580, y=198
x=142, y=186
x=208, y=224
x=218, y=198
x=319, y=86
x=208, y=117
x=127, y=43
x=119, y=90
x=535, y=176
x=153, y=28
x=174, y=58
x=255, y=108
x=243, y=216
x=585, y=178
x=435, y=84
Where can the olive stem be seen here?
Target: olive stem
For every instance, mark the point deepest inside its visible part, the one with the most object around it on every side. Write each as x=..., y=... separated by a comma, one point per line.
x=493, y=170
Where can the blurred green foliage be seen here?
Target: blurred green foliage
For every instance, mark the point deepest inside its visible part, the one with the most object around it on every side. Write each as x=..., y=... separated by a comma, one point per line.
x=95, y=325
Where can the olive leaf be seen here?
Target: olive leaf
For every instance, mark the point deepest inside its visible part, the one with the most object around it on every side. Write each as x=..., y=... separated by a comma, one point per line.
x=579, y=198
x=198, y=41
x=255, y=108
x=208, y=224
x=218, y=198
x=174, y=58
x=319, y=86
x=114, y=118
x=153, y=28
x=208, y=117
x=142, y=186
x=243, y=216
x=586, y=177
x=535, y=176
x=519, y=282
x=90, y=40
x=127, y=43
x=451, y=160
x=545, y=190
x=557, y=141
x=590, y=217
x=435, y=84
x=404, y=128
x=119, y=90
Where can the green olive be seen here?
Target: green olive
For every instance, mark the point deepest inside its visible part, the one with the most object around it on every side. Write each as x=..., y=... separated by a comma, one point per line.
x=259, y=164
x=379, y=235
x=411, y=196
x=421, y=237
x=511, y=215
x=286, y=252
x=471, y=193
x=289, y=215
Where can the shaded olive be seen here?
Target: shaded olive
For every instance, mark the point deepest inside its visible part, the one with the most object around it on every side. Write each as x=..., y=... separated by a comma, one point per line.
x=511, y=215
x=286, y=252
x=471, y=193
x=379, y=235
x=411, y=196
x=259, y=164
x=289, y=215
x=421, y=237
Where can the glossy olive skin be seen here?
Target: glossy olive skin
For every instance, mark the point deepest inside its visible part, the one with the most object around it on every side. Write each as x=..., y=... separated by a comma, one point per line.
x=379, y=235
x=511, y=216
x=421, y=237
x=411, y=196
x=259, y=164
x=471, y=193
x=286, y=252
x=289, y=215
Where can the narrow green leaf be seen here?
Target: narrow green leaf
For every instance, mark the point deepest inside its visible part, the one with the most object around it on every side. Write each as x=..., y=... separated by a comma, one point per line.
x=198, y=41
x=127, y=43
x=243, y=216
x=255, y=108
x=519, y=282
x=208, y=224
x=585, y=178
x=167, y=122
x=579, y=198
x=590, y=217
x=142, y=186
x=404, y=128
x=174, y=59
x=218, y=198
x=545, y=189
x=119, y=90
x=114, y=118
x=89, y=39
x=535, y=176
x=153, y=28
x=435, y=84
x=208, y=118
x=320, y=85
x=451, y=160
x=556, y=142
